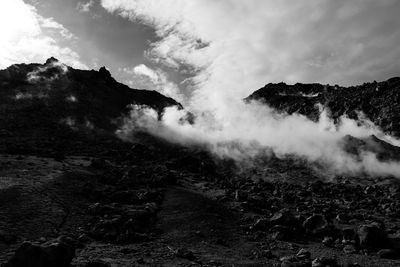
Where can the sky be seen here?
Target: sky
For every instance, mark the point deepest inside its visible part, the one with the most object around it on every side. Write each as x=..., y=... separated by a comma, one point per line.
x=202, y=52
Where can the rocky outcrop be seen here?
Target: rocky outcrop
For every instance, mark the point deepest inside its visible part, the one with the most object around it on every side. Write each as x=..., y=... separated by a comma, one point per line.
x=380, y=102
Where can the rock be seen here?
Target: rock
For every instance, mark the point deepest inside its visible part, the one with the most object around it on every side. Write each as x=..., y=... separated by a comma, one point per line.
x=316, y=224
x=51, y=60
x=348, y=235
x=241, y=195
x=304, y=254
x=99, y=163
x=268, y=254
x=97, y=263
x=185, y=254
x=280, y=232
x=103, y=71
x=349, y=249
x=170, y=178
x=260, y=225
x=342, y=218
x=7, y=237
x=221, y=242
x=293, y=261
x=328, y=241
x=51, y=254
x=388, y=254
x=283, y=217
x=373, y=236
x=324, y=262
x=105, y=230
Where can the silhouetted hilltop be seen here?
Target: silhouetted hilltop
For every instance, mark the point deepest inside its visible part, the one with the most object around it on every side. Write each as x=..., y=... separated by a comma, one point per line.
x=51, y=101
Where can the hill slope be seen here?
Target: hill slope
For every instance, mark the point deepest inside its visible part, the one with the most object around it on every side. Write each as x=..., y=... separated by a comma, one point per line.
x=44, y=104
x=380, y=102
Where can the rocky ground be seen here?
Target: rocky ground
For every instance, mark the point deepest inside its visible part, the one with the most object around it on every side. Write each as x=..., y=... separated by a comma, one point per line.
x=147, y=208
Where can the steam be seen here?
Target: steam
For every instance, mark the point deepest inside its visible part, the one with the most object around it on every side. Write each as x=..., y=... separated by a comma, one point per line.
x=258, y=128
x=48, y=72
x=230, y=48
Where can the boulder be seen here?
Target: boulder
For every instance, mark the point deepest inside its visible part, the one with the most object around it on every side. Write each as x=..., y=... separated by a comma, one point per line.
x=373, y=236
x=283, y=217
x=54, y=253
x=316, y=224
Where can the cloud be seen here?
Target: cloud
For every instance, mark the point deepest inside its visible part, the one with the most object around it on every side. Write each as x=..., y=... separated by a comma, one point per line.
x=50, y=23
x=84, y=7
x=26, y=36
x=51, y=71
x=153, y=79
x=230, y=48
x=257, y=129
x=234, y=47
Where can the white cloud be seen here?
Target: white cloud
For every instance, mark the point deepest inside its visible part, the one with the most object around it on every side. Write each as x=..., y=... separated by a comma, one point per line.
x=50, y=23
x=154, y=79
x=84, y=7
x=237, y=46
x=234, y=47
x=26, y=36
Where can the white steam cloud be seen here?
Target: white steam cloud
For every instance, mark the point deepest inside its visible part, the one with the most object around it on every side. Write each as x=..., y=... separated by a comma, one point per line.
x=245, y=134
x=231, y=48
x=155, y=79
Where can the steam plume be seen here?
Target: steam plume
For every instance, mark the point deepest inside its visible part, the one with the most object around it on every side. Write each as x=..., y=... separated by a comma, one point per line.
x=232, y=48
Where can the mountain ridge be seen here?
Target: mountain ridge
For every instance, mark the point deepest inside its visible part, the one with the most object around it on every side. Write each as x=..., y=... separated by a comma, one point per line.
x=378, y=101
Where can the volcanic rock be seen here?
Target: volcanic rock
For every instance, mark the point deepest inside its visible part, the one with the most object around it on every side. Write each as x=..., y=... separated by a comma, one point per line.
x=388, y=254
x=373, y=236
x=185, y=254
x=261, y=224
x=283, y=217
x=381, y=106
x=324, y=262
x=55, y=253
x=97, y=263
x=293, y=261
x=349, y=249
x=316, y=224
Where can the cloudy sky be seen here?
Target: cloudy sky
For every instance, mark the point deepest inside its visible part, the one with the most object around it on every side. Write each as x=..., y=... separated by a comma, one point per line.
x=205, y=50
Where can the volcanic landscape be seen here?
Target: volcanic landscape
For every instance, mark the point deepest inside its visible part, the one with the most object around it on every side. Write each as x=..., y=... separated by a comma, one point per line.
x=74, y=192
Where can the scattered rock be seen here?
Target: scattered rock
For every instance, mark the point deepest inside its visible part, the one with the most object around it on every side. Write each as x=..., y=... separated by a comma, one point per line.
x=293, y=261
x=349, y=249
x=324, y=262
x=97, y=263
x=328, y=241
x=388, y=254
x=304, y=254
x=373, y=236
x=283, y=217
x=185, y=254
x=260, y=225
x=348, y=235
x=99, y=163
x=241, y=195
x=140, y=261
x=51, y=254
x=316, y=224
x=7, y=237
